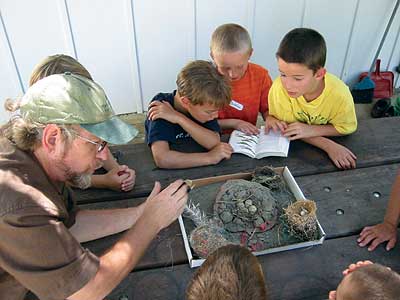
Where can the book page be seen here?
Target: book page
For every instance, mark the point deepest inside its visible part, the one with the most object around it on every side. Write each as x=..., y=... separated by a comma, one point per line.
x=272, y=144
x=243, y=143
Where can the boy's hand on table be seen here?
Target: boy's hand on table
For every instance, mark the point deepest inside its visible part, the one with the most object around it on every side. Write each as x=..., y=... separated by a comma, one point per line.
x=342, y=157
x=220, y=152
x=163, y=110
x=121, y=178
x=246, y=127
x=298, y=130
x=128, y=177
x=274, y=124
x=378, y=234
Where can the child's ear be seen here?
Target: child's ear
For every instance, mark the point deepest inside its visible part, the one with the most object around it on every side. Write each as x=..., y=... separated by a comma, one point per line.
x=250, y=53
x=320, y=73
x=185, y=102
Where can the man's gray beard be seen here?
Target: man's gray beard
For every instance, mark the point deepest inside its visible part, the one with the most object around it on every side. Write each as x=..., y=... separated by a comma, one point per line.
x=81, y=181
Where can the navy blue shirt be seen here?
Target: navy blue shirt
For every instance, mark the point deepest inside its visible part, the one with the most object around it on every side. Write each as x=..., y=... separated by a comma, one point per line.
x=162, y=130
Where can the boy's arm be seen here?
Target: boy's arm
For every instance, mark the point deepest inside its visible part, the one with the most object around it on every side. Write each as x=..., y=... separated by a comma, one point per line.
x=342, y=157
x=387, y=230
x=298, y=130
x=203, y=136
x=238, y=124
x=110, y=163
x=166, y=158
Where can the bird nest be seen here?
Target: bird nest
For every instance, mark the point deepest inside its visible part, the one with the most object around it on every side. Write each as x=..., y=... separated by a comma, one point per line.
x=301, y=219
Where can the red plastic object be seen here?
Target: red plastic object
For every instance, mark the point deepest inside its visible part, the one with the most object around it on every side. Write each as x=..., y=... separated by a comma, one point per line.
x=383, y=81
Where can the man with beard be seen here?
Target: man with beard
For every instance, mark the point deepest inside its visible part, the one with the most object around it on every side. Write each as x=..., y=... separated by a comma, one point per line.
x=62, y=132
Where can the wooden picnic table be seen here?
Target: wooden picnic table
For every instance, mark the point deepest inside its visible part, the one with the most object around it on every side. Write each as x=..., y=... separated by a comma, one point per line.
x=346, y=200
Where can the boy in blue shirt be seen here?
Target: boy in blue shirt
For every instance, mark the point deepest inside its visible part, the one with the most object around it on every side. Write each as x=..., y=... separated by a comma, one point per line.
x=190, y=112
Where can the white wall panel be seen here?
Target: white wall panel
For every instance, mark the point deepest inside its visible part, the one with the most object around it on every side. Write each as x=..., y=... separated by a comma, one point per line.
x=135, y=48
x=35, y=30
x=10, y=86
x=369, y=26
x=165, y=40
x=272, y=20
x=335, y=28
x=212, y=13
x=104, y=41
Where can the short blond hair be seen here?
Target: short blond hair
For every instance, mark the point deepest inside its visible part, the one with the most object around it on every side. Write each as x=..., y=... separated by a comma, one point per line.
x=57, y=64
x=231, y=272
x=200, y=82
x=373, y=282
x=229, y=38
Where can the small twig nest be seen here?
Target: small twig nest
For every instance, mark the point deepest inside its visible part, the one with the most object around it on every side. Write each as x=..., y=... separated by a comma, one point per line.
x=206, y=239
x=301, y=219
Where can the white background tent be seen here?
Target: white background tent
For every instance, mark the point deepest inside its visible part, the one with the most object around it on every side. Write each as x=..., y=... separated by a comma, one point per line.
x=135, y=48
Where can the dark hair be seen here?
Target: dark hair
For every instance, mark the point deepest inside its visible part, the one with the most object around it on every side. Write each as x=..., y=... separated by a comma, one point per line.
x=231, y=272
x=303, y=46
x=374, y=282
x=201, y=83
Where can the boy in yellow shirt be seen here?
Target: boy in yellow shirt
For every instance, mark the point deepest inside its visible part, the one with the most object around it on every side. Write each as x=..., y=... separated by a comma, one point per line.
x=308, y=103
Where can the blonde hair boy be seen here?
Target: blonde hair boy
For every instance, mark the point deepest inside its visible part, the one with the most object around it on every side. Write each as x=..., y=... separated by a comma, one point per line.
x=231, y=50
x=368, y=281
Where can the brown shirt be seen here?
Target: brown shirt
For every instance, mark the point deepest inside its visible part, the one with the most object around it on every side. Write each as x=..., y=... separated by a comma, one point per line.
x=37, y=251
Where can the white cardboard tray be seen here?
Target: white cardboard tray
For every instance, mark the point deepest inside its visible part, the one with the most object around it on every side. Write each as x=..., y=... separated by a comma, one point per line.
x=294, y=188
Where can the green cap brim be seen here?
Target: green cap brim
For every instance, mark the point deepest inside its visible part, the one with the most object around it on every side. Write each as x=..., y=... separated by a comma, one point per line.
x=114, y=131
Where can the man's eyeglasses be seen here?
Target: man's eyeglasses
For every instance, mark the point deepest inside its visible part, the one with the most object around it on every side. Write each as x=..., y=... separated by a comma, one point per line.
x=100, y=146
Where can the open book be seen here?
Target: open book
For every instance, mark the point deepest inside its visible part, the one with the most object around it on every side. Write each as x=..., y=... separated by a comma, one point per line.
x=260, y=145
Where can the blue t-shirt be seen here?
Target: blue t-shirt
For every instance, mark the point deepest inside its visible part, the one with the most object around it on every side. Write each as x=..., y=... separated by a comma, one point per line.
x=162, y=130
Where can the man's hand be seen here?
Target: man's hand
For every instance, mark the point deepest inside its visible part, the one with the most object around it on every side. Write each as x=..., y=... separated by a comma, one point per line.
x=298, y=130
x=342, y=157
x=220, y=152
x=163, y=110
x=274, y=124
x=375, y=235
x=246, y=127
x=164, y=207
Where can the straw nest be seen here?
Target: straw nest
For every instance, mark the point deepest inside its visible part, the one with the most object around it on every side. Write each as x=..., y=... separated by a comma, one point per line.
x=301, y=219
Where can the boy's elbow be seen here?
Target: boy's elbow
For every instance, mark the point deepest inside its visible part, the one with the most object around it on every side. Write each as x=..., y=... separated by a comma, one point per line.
x=212, y=143
x=161, y=161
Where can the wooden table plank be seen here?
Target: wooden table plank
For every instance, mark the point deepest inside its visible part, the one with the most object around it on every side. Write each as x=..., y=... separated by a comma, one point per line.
x=375, y=143
x=354, y=192
x=306, y=274
x=351, y=191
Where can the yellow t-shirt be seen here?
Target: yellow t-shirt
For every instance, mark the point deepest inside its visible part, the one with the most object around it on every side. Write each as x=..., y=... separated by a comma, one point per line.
x=334, y=106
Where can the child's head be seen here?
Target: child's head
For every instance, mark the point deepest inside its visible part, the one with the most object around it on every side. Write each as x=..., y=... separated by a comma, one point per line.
x=231, y=272
x=202, y=90
x=57, y=64
x=231, y=50
x=301, y=59
x=369, y=282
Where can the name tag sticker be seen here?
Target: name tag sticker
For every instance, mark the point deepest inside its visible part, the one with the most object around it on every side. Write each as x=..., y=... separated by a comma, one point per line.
x=236, y=105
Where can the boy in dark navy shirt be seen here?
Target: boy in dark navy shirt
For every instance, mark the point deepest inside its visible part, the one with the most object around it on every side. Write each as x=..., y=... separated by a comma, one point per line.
x=190, y=112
